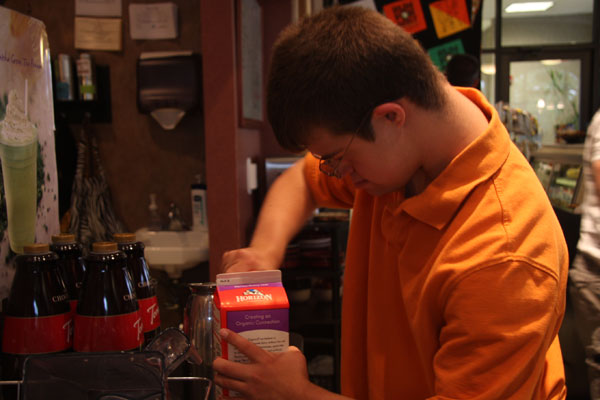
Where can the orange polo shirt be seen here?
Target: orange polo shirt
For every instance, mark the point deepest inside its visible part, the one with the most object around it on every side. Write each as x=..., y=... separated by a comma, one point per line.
x=458, y=292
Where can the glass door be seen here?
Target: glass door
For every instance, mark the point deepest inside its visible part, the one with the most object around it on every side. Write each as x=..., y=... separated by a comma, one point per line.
x=550, y=87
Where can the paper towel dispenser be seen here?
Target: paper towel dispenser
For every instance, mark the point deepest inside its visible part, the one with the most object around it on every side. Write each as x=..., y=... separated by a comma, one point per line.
x=168, y=85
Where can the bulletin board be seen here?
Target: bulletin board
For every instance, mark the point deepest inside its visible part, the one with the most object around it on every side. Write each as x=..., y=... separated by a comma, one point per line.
x=443, y=27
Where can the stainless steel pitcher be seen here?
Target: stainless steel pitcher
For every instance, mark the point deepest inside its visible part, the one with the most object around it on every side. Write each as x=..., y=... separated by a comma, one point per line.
x=198, y=325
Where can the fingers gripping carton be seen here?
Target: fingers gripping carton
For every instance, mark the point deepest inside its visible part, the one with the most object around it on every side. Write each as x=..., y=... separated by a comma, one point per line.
x=254, y=305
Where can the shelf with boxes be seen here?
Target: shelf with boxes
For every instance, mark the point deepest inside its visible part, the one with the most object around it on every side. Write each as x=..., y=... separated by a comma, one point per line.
x=312, y=274
x=559, y=169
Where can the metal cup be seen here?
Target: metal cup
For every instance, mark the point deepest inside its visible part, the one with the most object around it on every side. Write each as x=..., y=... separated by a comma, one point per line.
x=198, y=325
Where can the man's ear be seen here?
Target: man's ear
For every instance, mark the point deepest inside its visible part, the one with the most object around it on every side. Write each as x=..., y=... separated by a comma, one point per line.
x=391, y=112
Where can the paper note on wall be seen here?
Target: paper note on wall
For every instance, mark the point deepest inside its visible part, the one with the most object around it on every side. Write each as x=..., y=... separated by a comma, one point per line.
x=449, y=17
x=406, y=13
x=98, y=8
x=98, y=33
x=153, y=21
x=26, y=111
x=369, y=4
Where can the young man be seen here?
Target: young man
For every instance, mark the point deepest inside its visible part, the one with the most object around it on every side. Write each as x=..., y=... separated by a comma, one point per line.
x=456, y=265
x=585, y=272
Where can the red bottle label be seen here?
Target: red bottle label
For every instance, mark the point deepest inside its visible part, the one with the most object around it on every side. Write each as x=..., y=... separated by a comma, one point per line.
x=149, y=312
x=38, y=335
x=73, y=304
x=108, y=333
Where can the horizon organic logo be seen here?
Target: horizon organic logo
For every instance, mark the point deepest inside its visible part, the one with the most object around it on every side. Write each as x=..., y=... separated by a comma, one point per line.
x=253, y=295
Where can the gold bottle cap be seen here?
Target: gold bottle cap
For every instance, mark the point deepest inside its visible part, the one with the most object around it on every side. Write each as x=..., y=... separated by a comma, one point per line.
x=124, y=237
x=36, y=248
x=104, y=247
x=63, y=238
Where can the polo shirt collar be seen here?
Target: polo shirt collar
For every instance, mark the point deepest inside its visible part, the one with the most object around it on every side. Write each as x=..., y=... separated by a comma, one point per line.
x=438, y=203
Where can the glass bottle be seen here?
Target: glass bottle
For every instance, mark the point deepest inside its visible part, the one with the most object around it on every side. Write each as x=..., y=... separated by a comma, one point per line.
x=70, y=264
x=144, y=288
x=86, y=77
x=107, y=317
x=37, y=317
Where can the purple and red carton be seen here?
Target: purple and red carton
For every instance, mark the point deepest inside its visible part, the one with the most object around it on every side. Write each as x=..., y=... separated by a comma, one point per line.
x=254, y=305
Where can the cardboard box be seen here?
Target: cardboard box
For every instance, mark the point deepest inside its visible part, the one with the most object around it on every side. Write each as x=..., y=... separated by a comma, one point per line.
x=254, y=305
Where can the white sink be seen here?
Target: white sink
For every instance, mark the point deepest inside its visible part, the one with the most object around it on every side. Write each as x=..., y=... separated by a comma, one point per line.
x=174, y=252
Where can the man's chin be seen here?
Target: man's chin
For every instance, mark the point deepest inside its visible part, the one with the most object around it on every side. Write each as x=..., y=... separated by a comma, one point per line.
x=372, y=188
x=376, y=191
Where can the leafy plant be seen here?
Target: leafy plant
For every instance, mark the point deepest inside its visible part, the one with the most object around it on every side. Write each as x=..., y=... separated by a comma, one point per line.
x=561, y=88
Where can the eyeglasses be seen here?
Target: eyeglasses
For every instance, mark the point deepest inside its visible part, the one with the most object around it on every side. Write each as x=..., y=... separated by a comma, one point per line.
x=329, y=165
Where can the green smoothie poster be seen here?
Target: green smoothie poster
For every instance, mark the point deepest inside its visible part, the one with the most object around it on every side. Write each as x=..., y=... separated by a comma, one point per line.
x=28, y=184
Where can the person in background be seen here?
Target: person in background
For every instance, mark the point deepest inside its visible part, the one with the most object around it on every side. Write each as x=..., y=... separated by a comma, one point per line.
x=463, y=70
x=456, y=266
x=584, y=284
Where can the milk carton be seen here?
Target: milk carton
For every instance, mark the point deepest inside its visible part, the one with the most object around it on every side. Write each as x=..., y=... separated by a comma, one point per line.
x=254, y=305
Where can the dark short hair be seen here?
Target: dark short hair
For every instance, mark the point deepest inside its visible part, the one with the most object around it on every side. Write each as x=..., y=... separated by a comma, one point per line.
x=463, y=70
x=332, y=69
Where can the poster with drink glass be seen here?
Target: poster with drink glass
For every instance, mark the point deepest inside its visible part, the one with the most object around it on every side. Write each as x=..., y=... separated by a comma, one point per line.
x=28, y=184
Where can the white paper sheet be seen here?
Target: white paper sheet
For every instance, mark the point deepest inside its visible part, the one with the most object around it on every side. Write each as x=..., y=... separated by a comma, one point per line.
x=98, y=33
x=153, y=21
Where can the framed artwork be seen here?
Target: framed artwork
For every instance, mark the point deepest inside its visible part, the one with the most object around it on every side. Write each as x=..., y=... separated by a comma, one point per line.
x=249, y=48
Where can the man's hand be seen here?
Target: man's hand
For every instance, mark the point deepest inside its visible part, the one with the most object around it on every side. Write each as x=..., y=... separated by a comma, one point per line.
x=246, y=259
x=268, y=375
x=284, y=212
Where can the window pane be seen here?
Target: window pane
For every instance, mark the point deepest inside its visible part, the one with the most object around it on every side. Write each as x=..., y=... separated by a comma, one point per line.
x=488, y=24
x=549, y=90
x=565, y=22
x=488, y=76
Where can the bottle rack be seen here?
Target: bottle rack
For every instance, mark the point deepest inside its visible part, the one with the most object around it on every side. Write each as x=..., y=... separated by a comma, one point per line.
x=316, y=320
x=99, y=109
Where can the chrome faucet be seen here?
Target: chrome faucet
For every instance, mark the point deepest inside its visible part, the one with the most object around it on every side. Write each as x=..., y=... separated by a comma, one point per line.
x=175, y=221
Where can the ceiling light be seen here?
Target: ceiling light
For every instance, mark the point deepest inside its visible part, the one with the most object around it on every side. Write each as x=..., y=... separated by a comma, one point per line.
x=529, y=6
x=551, y=62
x=488, y=69
x=541, y=103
